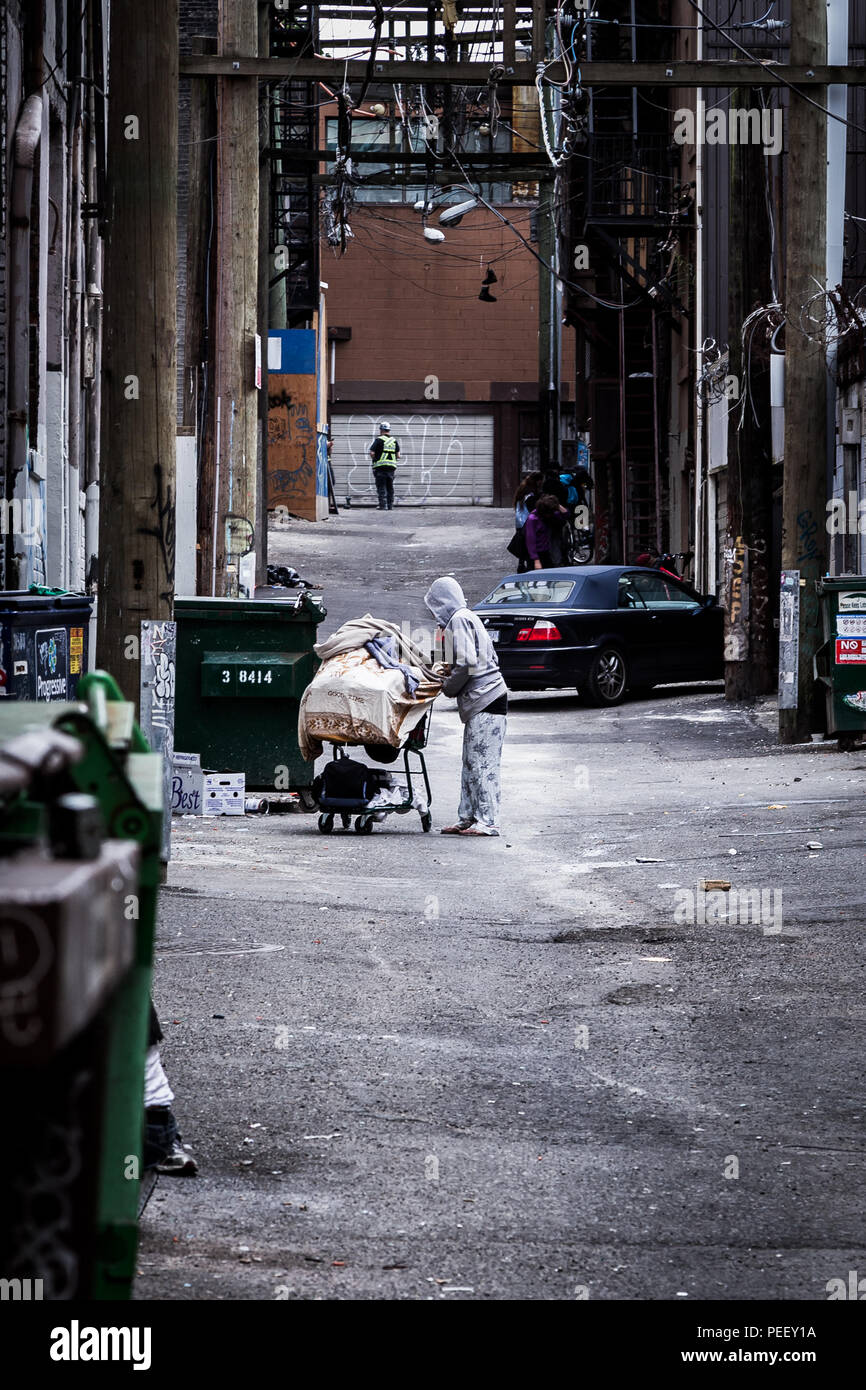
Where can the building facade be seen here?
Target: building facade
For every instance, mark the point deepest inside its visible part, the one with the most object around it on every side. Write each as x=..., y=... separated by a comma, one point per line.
x=455, y=375
x=52, y=174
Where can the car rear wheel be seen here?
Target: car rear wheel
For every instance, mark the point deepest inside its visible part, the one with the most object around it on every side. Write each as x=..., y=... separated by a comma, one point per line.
x=608, y=677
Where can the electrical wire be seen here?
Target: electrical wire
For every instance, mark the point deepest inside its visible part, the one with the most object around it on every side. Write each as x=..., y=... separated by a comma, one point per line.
x=442, y=294
x=412, y=241
x=581, y=289
x=755, y=23
x=774, y=73
x=771, y=221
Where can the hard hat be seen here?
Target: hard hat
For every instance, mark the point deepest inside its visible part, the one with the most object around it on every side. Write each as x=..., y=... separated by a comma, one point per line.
x=384, y=425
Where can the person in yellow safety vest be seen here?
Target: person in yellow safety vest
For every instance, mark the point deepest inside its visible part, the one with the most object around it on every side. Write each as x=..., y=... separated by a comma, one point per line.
x=384, y=453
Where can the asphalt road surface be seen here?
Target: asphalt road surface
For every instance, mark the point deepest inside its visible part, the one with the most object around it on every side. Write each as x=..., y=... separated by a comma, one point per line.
x=424, y=1068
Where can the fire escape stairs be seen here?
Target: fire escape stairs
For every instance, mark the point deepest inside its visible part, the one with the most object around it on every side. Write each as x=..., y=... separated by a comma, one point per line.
x=293, y=132
x=657, y=293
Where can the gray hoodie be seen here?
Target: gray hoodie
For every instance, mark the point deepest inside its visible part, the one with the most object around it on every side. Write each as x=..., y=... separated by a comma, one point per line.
x=475, y=678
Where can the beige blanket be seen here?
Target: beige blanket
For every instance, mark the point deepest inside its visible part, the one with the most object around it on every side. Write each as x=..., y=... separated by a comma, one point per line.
x=352, y=699
x=357, y=631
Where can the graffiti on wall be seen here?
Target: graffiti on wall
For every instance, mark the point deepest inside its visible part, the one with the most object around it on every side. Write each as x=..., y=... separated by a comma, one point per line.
x=292, y=444
x=158, y=658
x=431, y=455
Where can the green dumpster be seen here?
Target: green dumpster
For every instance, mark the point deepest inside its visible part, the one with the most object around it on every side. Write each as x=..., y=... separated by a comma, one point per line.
x=840, y=664
x=242, y=667
x=80, y=835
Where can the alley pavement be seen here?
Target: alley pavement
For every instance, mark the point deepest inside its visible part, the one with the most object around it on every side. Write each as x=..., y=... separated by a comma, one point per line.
x=416, y=1067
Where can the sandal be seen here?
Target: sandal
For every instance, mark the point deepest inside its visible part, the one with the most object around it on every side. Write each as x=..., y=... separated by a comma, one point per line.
x=488, y=833
x=459, y=829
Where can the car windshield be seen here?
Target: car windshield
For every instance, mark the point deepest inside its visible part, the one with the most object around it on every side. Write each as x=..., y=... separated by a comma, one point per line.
x=521, y=591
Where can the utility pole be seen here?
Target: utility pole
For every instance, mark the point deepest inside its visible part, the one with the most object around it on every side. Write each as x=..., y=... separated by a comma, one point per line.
x=228, y=525
x=804, y=534
x=264, y=295
x=748, y=617
x=549, y=292
x=509, y=25
x=139, y=382
x=548, y=328
x=197, y=380
x=202, y=155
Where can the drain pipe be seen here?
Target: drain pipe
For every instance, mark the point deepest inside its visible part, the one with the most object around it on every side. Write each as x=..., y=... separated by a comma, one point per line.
x=25, y=144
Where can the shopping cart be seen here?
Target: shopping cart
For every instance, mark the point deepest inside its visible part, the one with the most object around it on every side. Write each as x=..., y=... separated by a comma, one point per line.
x=367, y=812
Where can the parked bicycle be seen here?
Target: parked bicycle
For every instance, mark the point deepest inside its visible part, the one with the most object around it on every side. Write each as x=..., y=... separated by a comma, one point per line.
x=578, y=534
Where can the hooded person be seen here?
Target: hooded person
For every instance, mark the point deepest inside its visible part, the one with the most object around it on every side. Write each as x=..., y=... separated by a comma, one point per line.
x=482, y=702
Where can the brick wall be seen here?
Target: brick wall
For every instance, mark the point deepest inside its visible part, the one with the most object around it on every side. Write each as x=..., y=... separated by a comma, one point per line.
x=414, y=311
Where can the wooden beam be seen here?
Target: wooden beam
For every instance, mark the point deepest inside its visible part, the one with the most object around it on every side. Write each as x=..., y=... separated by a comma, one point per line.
x=201, y=134
x=467, y=36
x=139, y=380
x=804, y=489
x=641, y=74
x=539, y=24
x=498, y=161
x=263, y=305
x=749, y=629
x=508, y=36
x=440, y=175
x=235, y=396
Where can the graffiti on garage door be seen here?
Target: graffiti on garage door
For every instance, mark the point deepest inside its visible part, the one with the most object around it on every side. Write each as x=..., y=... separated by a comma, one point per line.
x=431, y=455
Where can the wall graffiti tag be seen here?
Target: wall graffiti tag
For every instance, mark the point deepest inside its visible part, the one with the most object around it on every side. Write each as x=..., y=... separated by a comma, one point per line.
x=158, y=642
x=163, y=531
x=292, y=442
x=789, y=639
x=433, y=462
x=736, y=627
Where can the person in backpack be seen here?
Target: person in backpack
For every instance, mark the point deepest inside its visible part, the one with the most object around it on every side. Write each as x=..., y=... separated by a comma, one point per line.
x=482, y=702
x=543, y=532
x=526, y=496
x=384, y=454
x=524, y=500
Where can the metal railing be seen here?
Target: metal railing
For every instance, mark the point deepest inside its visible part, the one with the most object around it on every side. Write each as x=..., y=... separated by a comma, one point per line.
x=629, y=176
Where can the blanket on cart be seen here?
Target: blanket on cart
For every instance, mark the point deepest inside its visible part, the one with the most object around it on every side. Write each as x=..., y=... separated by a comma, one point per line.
x=354, y=699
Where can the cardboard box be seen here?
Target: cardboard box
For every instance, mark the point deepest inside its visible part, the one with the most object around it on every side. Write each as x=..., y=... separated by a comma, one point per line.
x=224, y=793
x=187, y=785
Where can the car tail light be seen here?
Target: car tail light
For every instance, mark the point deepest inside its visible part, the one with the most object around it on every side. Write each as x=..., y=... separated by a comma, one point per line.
x=540, y=631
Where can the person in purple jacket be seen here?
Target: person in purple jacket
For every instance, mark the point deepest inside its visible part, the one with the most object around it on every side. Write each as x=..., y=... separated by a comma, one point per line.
x=542, y=532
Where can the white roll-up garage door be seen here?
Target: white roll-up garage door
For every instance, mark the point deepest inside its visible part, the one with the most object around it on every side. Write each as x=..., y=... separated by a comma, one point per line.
x=445, y=457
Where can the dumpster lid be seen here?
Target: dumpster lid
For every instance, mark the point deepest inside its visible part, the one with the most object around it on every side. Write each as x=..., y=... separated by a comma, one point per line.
x=22, y=601
x=839, y=583
x=243, y=609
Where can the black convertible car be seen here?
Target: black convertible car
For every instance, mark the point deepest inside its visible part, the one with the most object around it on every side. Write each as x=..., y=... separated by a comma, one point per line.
x=606, y=629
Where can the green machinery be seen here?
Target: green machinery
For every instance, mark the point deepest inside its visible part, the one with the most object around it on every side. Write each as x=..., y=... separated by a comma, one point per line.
x=80, y=836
